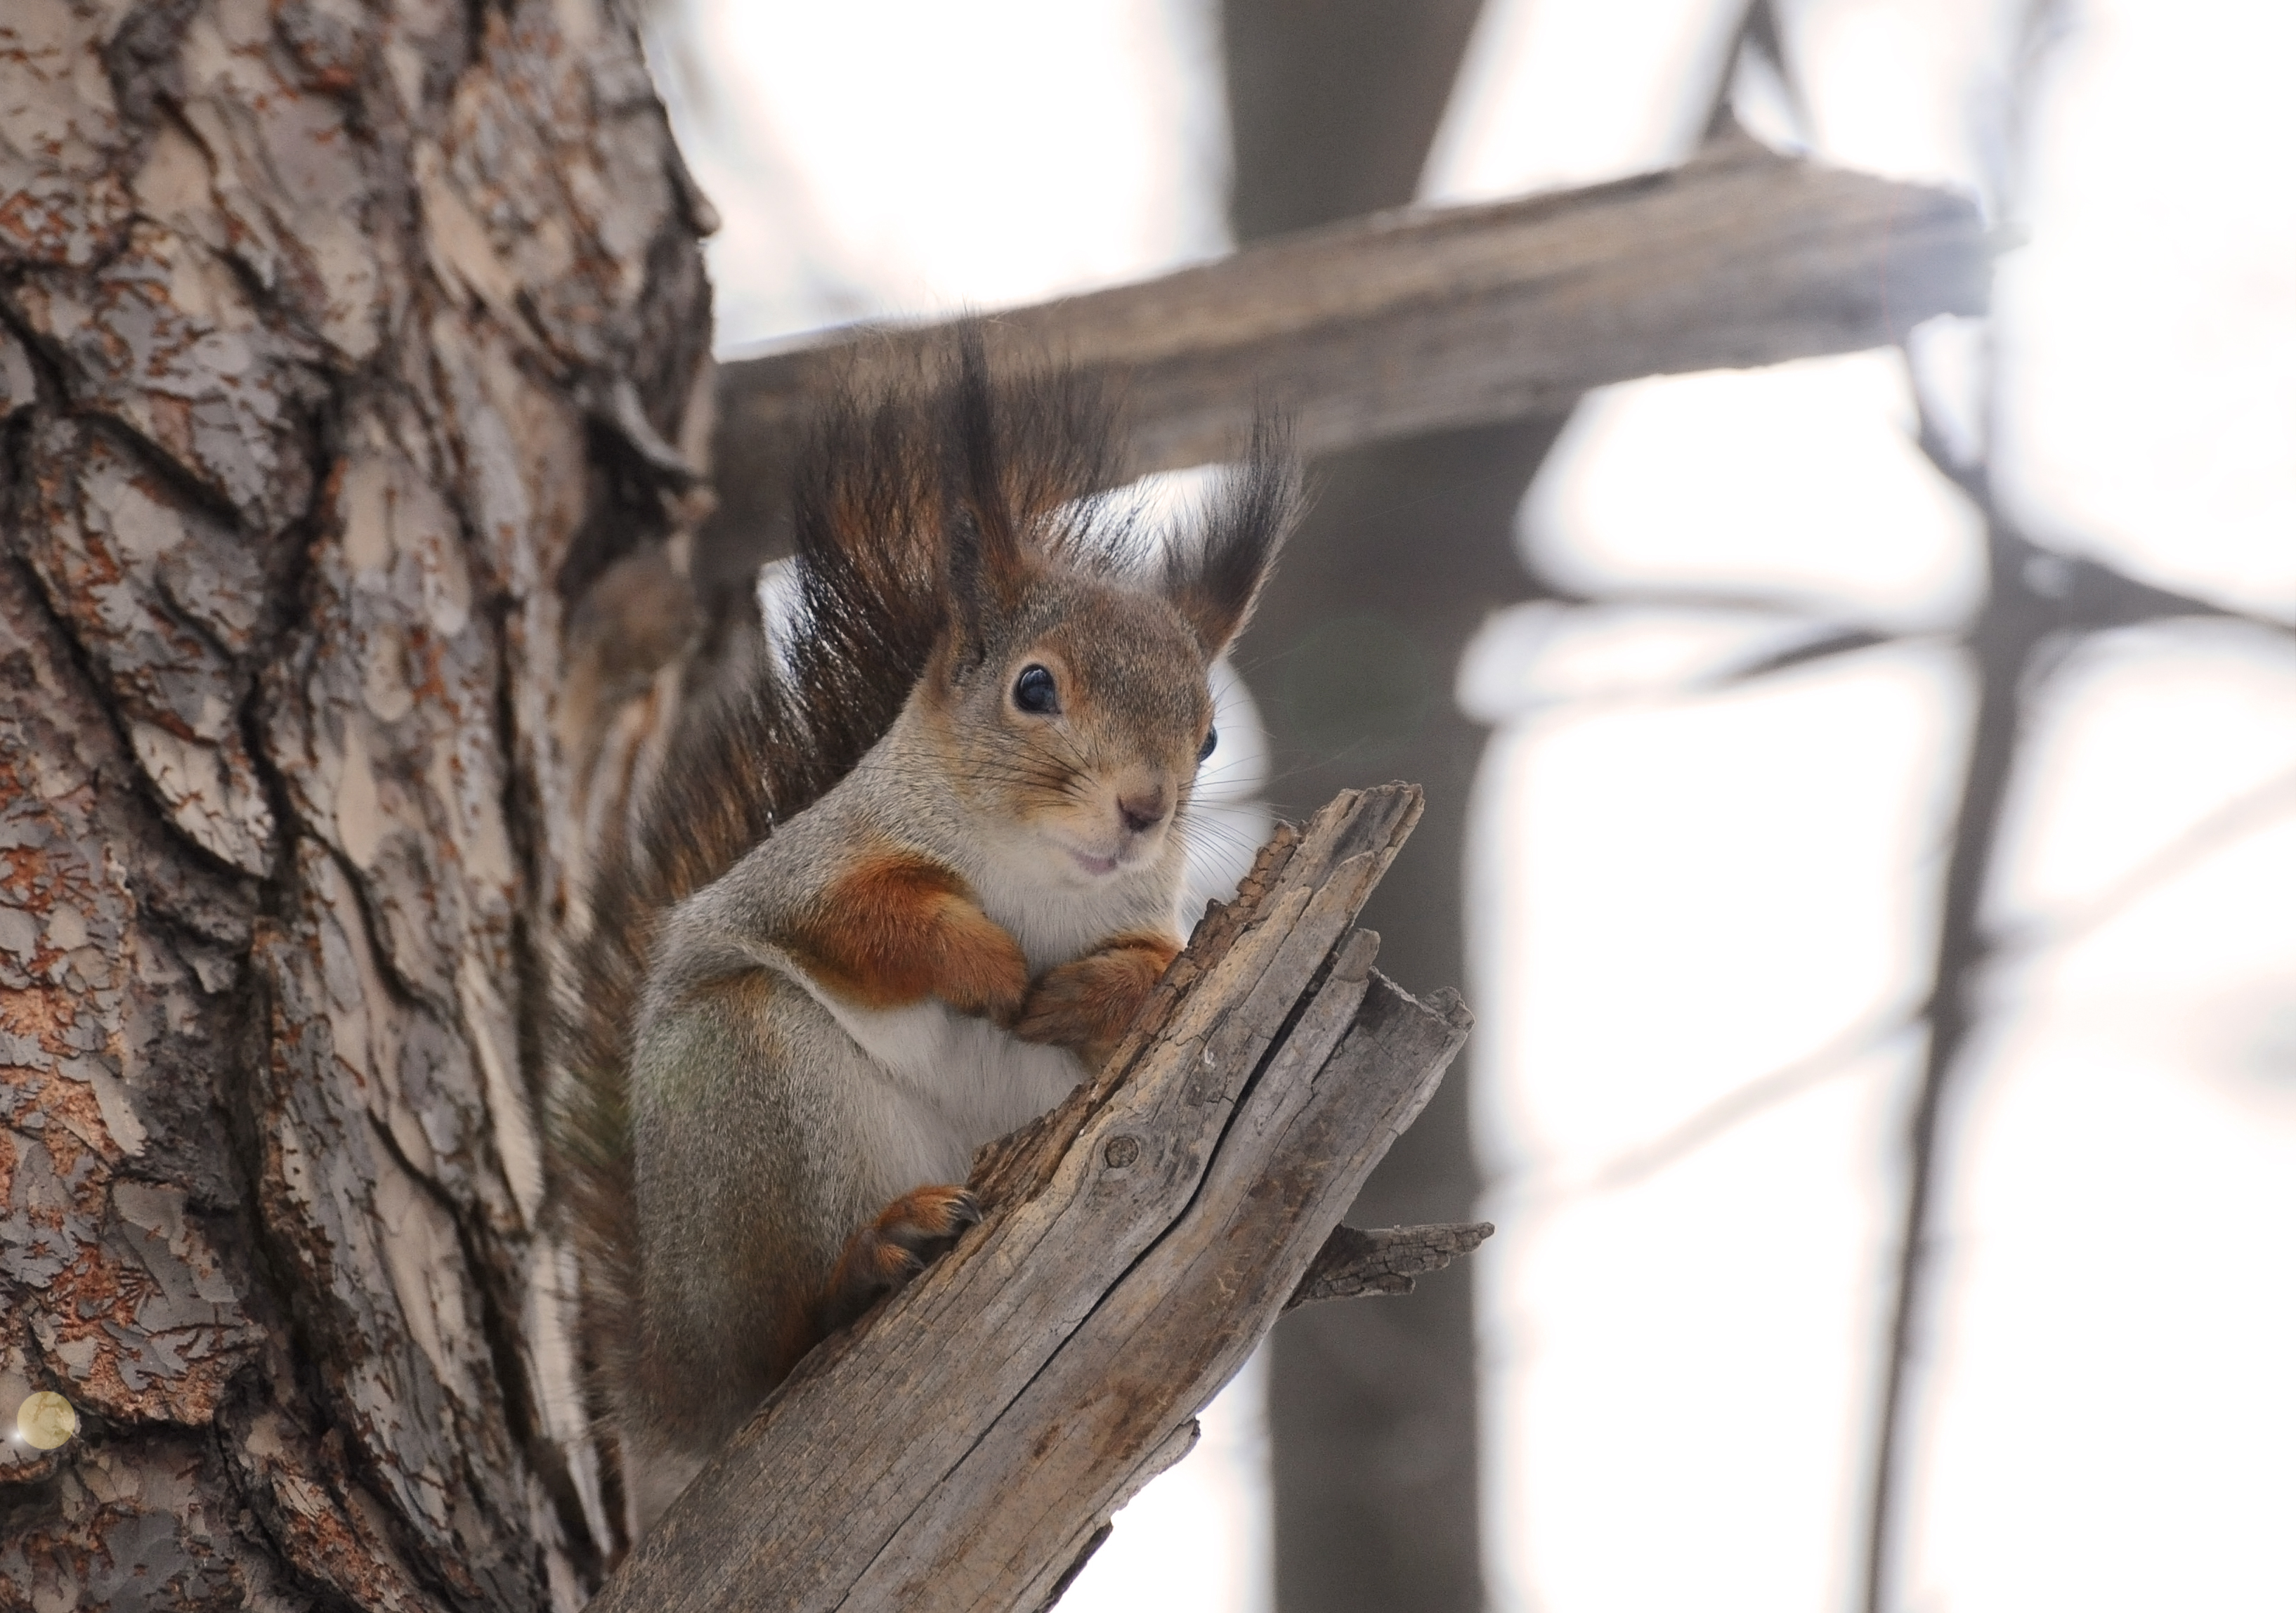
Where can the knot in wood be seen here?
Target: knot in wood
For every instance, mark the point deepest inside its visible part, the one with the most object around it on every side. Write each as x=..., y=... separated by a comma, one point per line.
x=1120, y=1152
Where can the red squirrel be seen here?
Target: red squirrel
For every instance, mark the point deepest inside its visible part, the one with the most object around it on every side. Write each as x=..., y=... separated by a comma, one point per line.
x=896, y=901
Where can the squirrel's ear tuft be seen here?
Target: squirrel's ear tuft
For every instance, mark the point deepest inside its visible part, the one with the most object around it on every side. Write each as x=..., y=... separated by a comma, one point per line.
x=1214, y=583
x=987, y=560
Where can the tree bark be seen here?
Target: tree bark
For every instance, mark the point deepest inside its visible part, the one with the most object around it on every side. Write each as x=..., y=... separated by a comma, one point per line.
x=343, y=345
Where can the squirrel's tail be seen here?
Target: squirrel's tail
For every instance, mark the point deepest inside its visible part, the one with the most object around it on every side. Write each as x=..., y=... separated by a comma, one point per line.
x=871, y=497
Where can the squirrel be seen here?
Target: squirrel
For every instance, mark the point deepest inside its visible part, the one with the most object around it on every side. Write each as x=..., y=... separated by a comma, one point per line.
x=895, y=899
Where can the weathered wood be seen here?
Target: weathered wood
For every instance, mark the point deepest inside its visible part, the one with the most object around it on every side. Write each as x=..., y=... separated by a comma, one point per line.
x=1414, y=320
x=1353, y=1264
x=963, y=1447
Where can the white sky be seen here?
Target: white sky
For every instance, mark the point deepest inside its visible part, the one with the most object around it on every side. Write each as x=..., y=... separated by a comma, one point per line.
x=1716, y=906
x=991, y=153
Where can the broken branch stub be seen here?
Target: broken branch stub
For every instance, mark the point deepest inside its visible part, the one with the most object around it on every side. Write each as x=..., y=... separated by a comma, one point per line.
x=1390, y=1260
x=964, y=1445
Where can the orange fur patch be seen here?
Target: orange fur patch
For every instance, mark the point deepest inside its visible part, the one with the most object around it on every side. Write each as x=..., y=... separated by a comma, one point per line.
x=895, y=928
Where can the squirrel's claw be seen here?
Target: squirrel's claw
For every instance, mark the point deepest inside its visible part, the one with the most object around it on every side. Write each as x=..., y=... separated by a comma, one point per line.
x=908, y=1235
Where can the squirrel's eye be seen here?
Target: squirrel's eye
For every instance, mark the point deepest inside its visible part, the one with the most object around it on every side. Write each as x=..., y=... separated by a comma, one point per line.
x=1211, y=740
x=1033, y=691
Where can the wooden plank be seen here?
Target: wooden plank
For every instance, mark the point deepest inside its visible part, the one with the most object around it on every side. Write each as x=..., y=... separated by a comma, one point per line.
x=964, y=1446
x=1417, y=320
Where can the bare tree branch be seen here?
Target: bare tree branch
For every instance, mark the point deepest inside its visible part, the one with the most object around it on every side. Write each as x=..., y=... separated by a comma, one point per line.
x=1743, y=1103
x=2008, y=632
x=2242, y=815
x=1412, y=321
x=2036, y=599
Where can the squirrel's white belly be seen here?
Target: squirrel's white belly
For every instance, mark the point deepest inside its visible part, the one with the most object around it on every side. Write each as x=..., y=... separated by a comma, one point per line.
x=981, y=1078
x=948, y=1082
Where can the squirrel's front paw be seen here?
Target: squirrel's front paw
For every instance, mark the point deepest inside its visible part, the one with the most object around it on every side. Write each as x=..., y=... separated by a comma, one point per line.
x=908, y=1235
x=1088, y=1005
x=981, y=967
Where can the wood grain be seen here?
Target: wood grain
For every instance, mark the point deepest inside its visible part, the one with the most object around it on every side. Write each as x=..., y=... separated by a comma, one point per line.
x=964, y=1446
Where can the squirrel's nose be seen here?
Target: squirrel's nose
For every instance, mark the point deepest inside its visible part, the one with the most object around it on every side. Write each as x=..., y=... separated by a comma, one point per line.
x=1143, y=809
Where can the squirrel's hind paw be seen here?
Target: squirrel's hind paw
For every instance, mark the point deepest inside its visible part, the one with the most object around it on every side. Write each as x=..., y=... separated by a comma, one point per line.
x=908, y=1235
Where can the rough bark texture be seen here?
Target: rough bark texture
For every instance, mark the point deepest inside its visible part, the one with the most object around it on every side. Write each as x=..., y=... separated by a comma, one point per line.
x=340, y=342
x=1139, y=1240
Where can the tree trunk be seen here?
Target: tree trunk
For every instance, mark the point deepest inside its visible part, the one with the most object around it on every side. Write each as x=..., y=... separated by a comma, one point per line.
x=1373, y=1408
x=344, y=346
